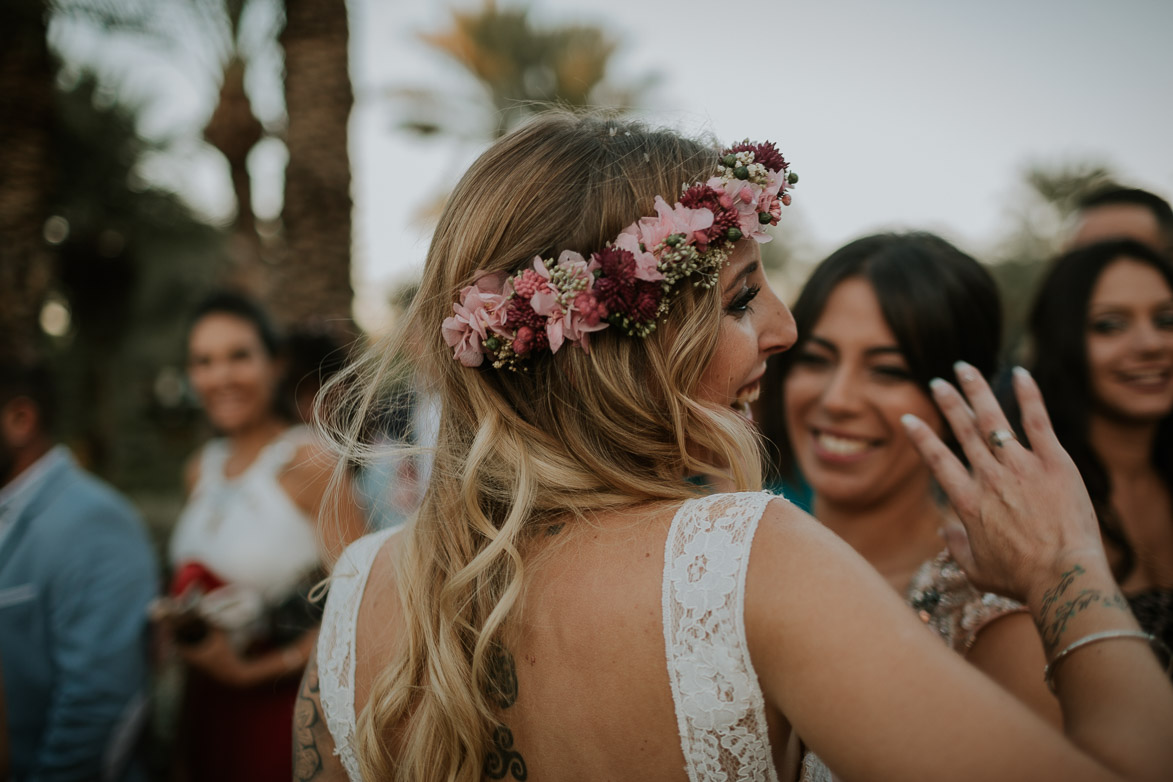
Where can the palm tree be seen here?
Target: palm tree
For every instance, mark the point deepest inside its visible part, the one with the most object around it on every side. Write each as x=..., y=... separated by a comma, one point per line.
x=234, y=130
x=26, y=171
x=519, y=69
x=311, y=280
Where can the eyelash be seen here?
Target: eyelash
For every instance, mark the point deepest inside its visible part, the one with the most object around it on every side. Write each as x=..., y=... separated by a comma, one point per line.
x=810, y=359
x=1162, y=320
x=740, y=305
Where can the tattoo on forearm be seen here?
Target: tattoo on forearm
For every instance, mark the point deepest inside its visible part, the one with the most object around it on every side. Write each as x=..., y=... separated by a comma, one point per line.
x=307, y=725
x=1061, y=604
x=501, y=683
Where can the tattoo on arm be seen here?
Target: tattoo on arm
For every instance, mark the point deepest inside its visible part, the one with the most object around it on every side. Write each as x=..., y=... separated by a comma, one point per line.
x=1061, y=604
x=503, y=759
x=309, y=725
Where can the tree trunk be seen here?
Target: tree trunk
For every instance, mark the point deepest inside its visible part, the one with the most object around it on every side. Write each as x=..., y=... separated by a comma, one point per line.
x=26, y=175
x=312, y=278
x=234, y=130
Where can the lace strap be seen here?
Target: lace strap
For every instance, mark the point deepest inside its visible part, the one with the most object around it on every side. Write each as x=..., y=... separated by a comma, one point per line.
x=336, y=642
x=720, y=710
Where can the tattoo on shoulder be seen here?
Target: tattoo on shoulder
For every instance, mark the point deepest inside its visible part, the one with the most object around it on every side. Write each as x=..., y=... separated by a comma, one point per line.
x=503, y=759
x=308, y=727
x=1063, y=602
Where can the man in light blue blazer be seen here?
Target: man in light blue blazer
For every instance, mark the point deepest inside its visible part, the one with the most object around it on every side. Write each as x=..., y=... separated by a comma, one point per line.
x=76, y=575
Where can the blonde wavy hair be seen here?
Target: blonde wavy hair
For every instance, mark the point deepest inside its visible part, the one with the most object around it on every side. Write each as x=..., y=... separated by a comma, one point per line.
x=516, y=451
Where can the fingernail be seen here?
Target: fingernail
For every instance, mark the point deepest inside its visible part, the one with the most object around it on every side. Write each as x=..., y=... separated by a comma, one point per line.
x=910, y=421
x=1021, y=373
x=937, y=385
x=965, y=371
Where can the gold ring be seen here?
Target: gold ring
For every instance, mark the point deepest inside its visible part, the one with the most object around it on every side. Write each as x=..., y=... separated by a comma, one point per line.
x=999, y=437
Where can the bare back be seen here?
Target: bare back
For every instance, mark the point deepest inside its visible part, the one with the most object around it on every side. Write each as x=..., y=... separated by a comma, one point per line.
x=593, y=695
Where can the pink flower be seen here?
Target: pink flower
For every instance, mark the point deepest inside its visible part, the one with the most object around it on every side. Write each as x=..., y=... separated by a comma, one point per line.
x=565, y=322
x=746, y=198
x=586, y=314
x=646, y=263
x=675, y=219
x=481, y=310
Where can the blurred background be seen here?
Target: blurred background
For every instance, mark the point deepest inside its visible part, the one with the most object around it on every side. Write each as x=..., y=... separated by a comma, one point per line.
x=153, y=149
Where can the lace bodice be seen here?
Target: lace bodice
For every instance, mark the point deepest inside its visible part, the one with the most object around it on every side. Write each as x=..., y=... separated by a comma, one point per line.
x=720, y=709
x=336, y=644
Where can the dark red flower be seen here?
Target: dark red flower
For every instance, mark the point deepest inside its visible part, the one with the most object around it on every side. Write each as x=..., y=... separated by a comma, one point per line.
x=529, y=325
x=619, y=291
x=704, y=197
x=765, y=153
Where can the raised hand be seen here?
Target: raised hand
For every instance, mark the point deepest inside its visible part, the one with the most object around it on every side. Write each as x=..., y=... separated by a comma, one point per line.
x=1025, y=511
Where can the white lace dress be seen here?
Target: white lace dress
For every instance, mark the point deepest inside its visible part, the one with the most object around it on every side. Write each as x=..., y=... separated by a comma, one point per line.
x=720, y=709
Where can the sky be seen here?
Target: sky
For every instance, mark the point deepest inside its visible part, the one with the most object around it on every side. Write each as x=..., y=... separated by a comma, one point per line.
x=895, y=113
x=898, y=114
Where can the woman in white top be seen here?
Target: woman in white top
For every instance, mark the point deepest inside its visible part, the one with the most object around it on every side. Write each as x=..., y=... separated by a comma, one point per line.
x=564, y=606
x=250, y=541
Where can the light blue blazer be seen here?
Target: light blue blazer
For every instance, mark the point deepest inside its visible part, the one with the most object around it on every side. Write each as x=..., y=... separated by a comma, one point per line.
x=76, y=575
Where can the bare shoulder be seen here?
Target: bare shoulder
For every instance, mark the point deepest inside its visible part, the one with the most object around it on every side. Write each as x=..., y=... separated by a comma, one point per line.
x=380, y=617
x=804, y=583
x=312, y=461
x=313, y=746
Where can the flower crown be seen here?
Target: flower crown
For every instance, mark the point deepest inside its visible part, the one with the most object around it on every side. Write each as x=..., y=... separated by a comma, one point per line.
x=630, y=283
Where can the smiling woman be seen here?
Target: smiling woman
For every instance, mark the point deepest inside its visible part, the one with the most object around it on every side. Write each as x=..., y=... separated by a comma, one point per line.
x=254, y=536
x=1102, y=346
x=878, y=320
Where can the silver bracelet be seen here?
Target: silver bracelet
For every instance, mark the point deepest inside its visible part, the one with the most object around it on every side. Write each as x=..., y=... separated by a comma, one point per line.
x=1106, y=635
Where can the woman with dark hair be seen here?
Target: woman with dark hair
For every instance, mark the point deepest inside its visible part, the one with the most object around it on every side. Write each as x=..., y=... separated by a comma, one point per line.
x=255, y=535
x=1102, y=350
x=877, y=321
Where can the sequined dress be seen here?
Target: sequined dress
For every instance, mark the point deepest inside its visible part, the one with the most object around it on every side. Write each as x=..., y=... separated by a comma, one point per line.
x=944, y=599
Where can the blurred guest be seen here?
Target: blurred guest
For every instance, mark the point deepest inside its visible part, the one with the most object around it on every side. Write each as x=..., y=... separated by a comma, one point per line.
x=1102, y=347
x=76, y=575
x=3, y=732
x=257, y=533
x=877, y=321
x=1116, y=212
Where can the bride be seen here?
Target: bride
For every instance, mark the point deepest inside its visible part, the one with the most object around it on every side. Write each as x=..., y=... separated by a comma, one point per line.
x=567, y=606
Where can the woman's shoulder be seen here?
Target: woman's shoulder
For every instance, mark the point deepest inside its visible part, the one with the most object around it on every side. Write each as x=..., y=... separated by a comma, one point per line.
x=338, y=662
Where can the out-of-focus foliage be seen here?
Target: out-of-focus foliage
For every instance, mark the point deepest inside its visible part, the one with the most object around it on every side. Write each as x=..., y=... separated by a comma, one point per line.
x=131, y=261
x=26, y=166
x=519, y=68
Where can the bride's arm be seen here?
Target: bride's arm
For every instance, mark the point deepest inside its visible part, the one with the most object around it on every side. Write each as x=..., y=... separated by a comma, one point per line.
x=313, y=746
x=878, y=697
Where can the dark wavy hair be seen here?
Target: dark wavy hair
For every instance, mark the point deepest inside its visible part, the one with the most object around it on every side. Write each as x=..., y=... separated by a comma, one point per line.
x=1058, y=329
x=941, y=304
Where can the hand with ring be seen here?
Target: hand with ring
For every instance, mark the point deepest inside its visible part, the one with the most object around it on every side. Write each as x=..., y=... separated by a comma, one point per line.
x=1023, y=510
x=999, y=437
